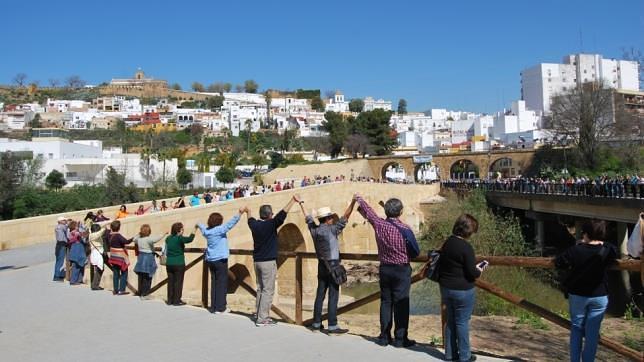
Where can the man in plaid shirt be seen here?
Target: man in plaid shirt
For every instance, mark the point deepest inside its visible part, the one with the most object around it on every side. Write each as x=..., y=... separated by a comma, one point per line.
x=395, y=271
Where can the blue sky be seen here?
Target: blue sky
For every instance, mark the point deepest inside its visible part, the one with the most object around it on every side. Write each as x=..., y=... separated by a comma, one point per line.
x=449, y=54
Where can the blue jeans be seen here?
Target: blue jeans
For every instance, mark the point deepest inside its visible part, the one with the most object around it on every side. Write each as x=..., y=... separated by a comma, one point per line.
x=60, y=252
x=119, y=278
x=586, y=314
x=459, y=304
x=78, y=271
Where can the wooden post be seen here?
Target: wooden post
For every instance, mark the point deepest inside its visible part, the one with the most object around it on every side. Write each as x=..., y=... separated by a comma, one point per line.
x=298, y=289
x=204, y=284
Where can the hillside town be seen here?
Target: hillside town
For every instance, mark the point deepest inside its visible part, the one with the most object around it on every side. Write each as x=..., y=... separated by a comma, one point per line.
x=144, y=104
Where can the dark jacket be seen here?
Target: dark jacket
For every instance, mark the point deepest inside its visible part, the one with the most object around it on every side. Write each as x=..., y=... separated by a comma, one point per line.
x=587, y=275
x=458, y=265
x=265, y=236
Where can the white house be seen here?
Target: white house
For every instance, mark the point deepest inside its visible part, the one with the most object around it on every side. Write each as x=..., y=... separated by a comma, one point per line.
x=337, y=104
x=517, y=119
x=370, y=104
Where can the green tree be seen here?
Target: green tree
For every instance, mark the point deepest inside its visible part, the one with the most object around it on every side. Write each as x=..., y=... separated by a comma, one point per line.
x=225, y=175
x=269, y=99
x=55, y=180
x=115, y=187
x=215, y=102
x=198, y=87
x=317, y=104
x=402, y=106
x=228, y=87
x=184, y=177
x=356, y=105
x=12, y=170
x=276, y=159
x=337, y=128
x=216, y=87
x=176, y=86
x=258, y=160
x=375, y=125
x=250, y=86
x=35, y=122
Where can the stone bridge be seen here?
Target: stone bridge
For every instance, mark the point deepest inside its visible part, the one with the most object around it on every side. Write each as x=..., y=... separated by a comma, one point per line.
x=483, y=161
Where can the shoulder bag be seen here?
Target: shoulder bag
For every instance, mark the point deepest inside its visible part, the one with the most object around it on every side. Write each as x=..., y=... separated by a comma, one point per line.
x=433, y=264
x=338, y=272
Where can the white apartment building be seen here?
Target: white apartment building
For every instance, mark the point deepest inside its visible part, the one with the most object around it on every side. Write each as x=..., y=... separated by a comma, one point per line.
x=370, y=104
x=517, y=119
x=543, y=81
x=337, y=104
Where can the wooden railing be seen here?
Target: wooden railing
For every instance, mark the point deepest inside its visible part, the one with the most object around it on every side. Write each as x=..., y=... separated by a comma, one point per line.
x=239, y=275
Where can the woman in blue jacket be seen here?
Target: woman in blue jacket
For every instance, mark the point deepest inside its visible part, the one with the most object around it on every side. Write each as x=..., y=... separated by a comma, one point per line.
x=217, y=253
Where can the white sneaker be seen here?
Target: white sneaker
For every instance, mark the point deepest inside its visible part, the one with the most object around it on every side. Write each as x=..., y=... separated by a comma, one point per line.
x=267, y=323
x=224, y=311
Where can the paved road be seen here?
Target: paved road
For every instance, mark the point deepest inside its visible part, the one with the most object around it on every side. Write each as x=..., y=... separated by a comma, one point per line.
x=41, y=320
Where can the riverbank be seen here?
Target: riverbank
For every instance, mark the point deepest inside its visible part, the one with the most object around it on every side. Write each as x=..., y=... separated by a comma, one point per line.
x=507, y=337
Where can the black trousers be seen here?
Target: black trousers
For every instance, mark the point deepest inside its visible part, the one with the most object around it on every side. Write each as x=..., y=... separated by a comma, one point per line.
x=326, y=282
x=175, y=282
x=395, y=283
x=95, y=274
x=218, y=284
x=145, y=283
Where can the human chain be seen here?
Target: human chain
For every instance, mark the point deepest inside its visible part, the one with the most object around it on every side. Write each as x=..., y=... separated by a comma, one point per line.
x=600, y=186
x=455, y=269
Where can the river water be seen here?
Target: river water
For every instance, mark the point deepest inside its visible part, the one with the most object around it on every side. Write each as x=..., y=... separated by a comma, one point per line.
x=425, y=295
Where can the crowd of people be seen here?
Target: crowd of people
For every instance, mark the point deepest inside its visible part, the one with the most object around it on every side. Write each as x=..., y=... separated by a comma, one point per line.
x=620, y=186
x=586, y=287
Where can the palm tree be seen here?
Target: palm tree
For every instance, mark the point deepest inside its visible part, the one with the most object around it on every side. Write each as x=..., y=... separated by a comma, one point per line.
x=203, y=162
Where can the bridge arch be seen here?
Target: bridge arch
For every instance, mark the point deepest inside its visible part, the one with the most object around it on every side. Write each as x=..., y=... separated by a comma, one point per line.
x=289, y=238
x=503, y=167
x=464, y=168
x=393, y=170
x=426, y=171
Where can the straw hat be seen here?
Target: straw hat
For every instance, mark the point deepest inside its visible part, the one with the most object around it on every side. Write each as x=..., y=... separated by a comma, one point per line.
x=324, y=212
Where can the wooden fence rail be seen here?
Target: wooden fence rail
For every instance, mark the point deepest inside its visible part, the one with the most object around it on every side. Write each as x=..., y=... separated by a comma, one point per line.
x=239, y=275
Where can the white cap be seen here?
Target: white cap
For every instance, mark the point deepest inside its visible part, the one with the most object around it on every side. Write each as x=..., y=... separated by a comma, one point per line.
x=61, y=218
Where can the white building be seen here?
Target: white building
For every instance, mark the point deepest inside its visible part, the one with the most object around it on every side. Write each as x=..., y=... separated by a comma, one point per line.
x=290, y=105
x=517, y=119
x=337, y=104
x=61, y=106
x=370, y=104
x=85, y=162
x=16, y=120
x=543, y=81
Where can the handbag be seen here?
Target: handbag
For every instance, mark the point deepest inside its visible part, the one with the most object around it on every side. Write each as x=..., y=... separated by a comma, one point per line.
x=433, y=264
x=163, y=258
x=337, y=271
x=413, y=250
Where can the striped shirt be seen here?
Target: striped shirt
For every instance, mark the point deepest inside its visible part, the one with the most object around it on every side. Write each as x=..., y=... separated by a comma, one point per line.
x=392, y=248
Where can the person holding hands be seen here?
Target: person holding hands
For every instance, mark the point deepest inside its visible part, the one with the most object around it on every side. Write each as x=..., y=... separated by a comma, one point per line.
x=176, y=262
x=217, y=253
x=325, y=239
x=146, y=266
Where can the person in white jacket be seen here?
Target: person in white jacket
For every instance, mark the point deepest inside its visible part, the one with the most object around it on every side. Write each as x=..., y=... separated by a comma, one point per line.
x=96, y=258
x=636, y=240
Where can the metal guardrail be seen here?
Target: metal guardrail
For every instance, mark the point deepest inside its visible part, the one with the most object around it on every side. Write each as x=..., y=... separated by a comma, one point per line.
x=239, y=275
